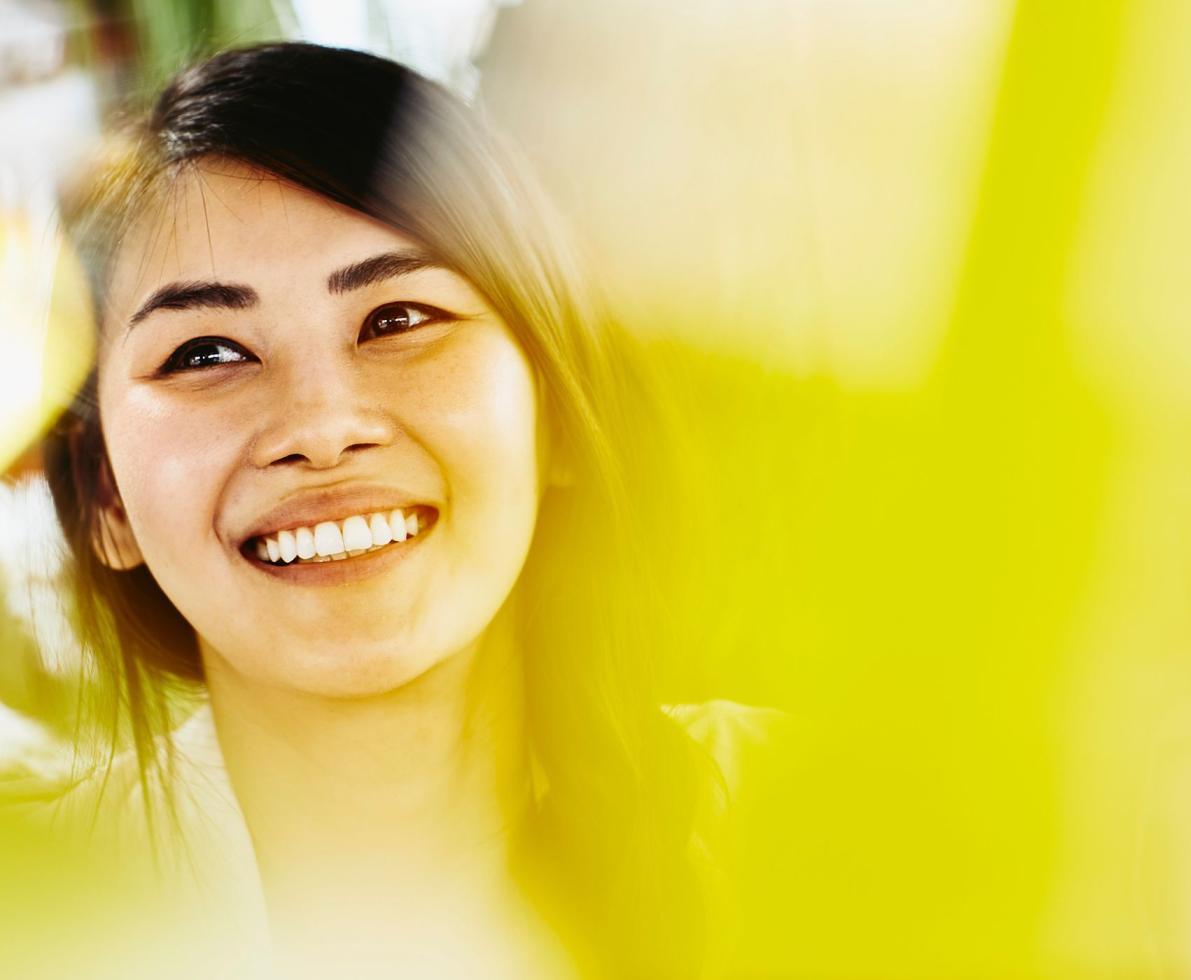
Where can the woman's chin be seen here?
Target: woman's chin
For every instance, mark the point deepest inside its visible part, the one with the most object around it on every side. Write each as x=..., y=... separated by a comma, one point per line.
x=331, y=672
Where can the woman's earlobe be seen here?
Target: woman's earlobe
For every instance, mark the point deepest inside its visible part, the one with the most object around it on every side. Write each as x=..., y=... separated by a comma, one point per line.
x=112, y=539
x=560, y=473
x=560, y=464
x=556, y=459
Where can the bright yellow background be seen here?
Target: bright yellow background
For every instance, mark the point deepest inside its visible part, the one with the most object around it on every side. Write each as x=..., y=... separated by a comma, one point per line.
x=918, y=271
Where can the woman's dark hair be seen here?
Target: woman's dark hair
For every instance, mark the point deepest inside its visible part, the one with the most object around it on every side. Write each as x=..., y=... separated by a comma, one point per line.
x=609, y=851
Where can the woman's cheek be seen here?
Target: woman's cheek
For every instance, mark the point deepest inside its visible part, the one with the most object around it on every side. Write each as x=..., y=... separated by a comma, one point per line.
x=472, y=403
x=170, y=458
x=494, y=450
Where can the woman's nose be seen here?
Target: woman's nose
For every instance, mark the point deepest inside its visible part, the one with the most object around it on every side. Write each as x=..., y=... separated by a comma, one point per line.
x=326, y=417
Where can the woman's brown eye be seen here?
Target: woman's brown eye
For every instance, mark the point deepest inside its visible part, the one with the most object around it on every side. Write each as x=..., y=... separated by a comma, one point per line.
x=398, y=318
x=204, y=352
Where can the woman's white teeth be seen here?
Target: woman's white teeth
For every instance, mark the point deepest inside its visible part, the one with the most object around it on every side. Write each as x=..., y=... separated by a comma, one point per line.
x=356, y=536
x=288, y=545
x=337, y=540
x=378, y=527
x=328, y=539
x=305, y=541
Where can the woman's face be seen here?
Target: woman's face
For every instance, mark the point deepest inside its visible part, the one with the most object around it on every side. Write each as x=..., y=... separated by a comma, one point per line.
x=275, y=365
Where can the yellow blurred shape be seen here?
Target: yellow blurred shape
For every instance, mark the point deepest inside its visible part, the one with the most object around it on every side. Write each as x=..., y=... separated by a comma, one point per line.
x=46, y=331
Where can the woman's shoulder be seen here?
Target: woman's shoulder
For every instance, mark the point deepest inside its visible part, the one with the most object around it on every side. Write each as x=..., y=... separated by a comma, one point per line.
x=117, y=796
x=730, y=724
x=746, y=828
x=746, y=742
x=750, y=752
x=35, y=768
x=156, y=858
x=76, y=800
x=176, y=826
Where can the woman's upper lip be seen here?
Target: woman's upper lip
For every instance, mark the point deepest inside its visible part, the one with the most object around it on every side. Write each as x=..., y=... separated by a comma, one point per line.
x=310, y=507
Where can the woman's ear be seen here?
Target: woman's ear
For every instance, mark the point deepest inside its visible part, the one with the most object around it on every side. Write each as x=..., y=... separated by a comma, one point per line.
x=560, y=472
x=560, y=468
x=112, y=539
x=555, y=461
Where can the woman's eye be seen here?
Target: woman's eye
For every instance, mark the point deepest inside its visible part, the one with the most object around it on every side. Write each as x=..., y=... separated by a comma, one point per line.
x=205, y=352
x=395, y=318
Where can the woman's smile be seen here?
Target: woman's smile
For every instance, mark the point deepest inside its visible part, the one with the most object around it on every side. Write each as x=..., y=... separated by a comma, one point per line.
x=342, y=567
x=335, y=540
x=358, y=546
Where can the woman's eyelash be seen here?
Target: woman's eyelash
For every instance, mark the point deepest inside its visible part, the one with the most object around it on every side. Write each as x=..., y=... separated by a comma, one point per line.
x=204, y=352
x=395, y=318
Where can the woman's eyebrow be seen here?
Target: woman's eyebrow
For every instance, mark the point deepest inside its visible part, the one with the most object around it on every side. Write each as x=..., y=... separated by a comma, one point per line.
x=387, y=265
x=193, y=295
x=233, y=296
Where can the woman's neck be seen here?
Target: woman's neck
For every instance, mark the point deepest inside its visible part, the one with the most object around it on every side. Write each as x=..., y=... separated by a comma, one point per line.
x=382, y=807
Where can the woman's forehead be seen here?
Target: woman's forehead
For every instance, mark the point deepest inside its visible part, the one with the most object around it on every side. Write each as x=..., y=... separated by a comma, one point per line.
x=221, y=220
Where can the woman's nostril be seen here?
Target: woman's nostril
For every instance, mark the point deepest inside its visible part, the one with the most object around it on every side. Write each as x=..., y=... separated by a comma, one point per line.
x=319, y=436
x=321, y=460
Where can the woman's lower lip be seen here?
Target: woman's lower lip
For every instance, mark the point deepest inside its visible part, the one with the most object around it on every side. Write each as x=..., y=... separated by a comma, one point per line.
x=347, y=569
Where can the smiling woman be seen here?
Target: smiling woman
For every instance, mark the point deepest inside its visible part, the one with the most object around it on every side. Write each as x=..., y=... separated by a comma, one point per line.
x=356, y=459
x=383, y=392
